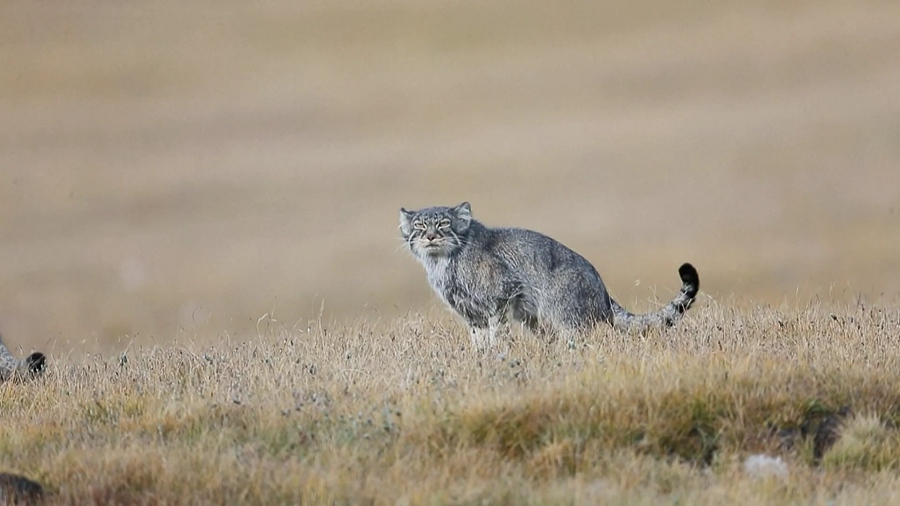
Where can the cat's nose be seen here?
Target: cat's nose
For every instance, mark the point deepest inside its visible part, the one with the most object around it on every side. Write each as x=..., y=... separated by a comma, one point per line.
x=430, y=236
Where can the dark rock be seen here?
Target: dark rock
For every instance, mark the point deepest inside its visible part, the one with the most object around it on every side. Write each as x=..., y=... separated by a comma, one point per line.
x=828, y=432
x=15, y=489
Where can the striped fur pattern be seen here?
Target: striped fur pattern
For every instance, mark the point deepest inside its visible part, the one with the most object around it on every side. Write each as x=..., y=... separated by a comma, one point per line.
x=491, y=275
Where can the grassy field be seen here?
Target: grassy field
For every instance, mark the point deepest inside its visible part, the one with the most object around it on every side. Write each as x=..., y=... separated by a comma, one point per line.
x=403, y=412
x=198, y=212
x=170, y=171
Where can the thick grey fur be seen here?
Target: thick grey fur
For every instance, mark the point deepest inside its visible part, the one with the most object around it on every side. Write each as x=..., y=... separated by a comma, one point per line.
x=12, y=367
x=487, y=275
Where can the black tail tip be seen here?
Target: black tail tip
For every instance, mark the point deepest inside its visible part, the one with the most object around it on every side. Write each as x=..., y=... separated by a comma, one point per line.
x=36, y=362
x=690, y=278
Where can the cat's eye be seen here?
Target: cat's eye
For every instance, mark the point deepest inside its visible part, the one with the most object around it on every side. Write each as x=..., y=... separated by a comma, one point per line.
x=419, y=225
x=445, y=223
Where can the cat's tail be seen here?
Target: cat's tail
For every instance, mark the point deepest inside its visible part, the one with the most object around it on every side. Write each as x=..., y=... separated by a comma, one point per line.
x=668, y=315
x=11, y=367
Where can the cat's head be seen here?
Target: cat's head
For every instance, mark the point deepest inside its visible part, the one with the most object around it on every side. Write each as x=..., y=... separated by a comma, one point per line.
x=435, y=231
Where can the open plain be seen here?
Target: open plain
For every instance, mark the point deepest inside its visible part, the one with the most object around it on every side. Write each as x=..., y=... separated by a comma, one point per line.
x=198, y=212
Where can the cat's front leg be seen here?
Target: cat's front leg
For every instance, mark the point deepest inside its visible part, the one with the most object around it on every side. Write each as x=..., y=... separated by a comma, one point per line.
x=478, y=337
x=492, y=330
x=484, y=336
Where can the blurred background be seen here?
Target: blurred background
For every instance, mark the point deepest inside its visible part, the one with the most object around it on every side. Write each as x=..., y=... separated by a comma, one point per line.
x=178, y=169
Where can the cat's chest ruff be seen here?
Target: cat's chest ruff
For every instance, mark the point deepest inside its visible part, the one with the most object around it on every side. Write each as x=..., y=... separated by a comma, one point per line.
x=437, y=271
x=444, y=278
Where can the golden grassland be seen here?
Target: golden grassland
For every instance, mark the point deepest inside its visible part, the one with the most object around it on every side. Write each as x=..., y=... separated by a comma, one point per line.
x=404, y=412
x=169, y=173
x=177, y=166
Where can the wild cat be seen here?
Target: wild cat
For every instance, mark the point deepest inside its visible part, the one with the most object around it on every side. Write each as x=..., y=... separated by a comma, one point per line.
x=487, y=275
x=12, y=367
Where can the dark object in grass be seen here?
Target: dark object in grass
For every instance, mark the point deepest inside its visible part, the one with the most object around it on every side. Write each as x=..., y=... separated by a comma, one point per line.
x=16, y=489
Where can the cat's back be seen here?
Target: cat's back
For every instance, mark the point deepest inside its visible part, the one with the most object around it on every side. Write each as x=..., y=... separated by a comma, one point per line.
x=524, y=247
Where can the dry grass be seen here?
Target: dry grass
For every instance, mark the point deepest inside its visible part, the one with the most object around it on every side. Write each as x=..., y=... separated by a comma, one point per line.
x=170, y=172
x=171, y=165
x=402, y=412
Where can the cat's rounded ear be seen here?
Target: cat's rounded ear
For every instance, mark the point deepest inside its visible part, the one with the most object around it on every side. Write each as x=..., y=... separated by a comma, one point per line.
x=406, y=221
x=463, y=213
x=464, y=209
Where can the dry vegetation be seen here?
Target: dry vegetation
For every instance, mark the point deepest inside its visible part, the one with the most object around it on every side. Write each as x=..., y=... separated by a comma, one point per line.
x=403, y=412
x=167, y=167
x=169, y=173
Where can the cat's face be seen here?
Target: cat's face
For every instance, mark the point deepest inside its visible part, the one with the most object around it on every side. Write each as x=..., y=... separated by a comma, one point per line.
x=435, y=231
